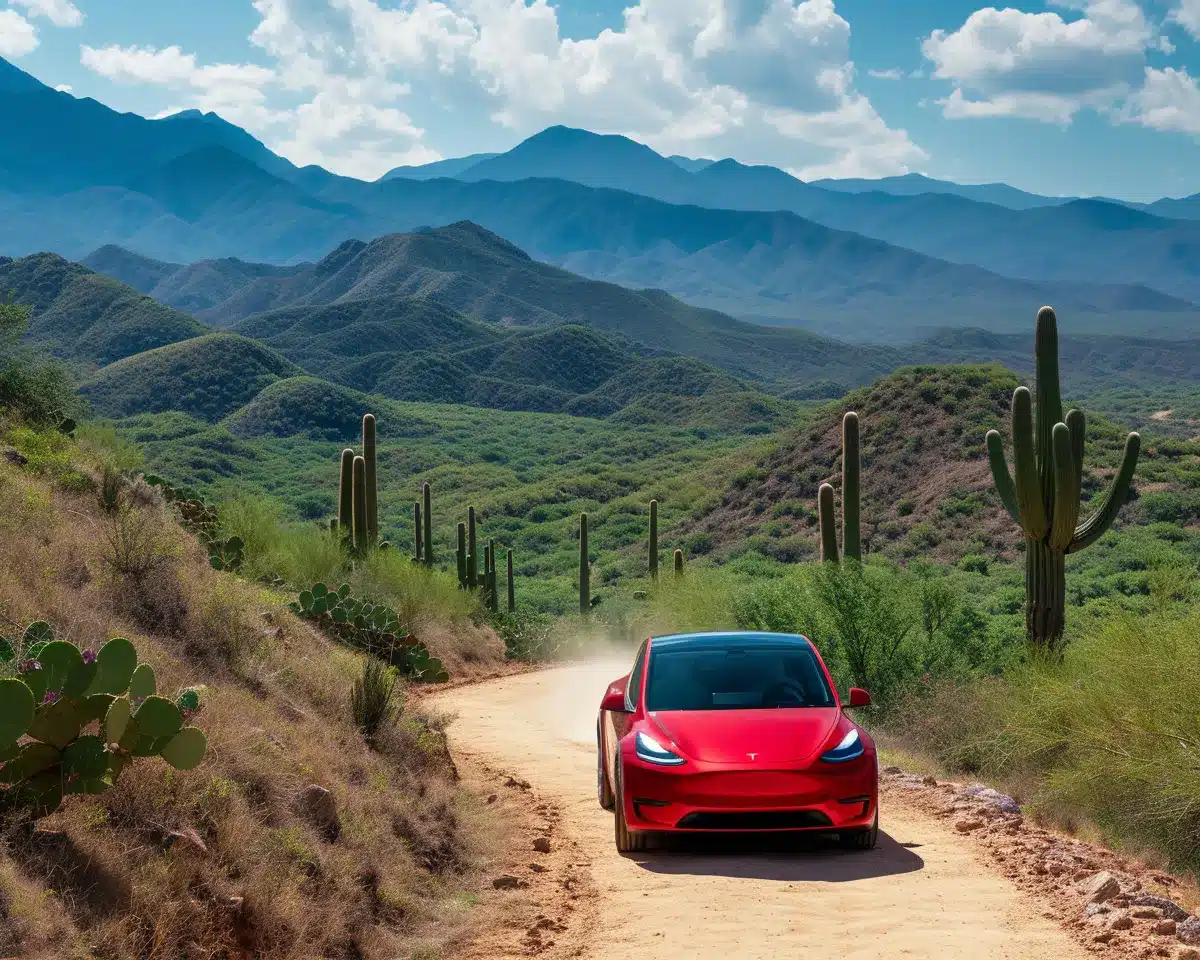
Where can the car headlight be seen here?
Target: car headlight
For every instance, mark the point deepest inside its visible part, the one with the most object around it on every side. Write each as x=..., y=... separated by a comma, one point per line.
x=650, y=750
x=850, y=748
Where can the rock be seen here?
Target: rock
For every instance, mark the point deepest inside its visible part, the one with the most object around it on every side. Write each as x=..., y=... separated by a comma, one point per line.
x=1189, y=930
x=516, y=784
x=1169, y=908
x=507, y=882
x=891, y=771
x=187, y=839
x=1145, y=913
x=1096, y=909
x=542, y=844
x=1056, y=868
x=1187, y=953
x=967, y=825
x=1120, y=920
x=1165, y=928
x=491, y=798
x=1098, y=887
x=15, y=457
x=1104, y=936
x=318, y=806
x=929, y=781
x=537, y=868
x=993, y=798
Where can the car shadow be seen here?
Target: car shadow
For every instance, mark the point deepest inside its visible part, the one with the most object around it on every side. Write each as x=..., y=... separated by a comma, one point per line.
x=784, y=857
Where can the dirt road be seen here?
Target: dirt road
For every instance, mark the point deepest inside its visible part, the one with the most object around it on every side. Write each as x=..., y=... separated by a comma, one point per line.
x=921, y=893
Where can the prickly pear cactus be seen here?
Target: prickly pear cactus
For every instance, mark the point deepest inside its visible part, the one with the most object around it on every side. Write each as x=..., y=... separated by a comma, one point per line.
x=72, y=720
x=370, y=627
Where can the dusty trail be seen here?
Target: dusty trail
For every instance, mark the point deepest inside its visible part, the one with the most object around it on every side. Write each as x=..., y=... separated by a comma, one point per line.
x=921, y=893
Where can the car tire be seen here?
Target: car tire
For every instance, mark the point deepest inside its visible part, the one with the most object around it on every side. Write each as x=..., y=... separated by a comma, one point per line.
x=628, y=841
x=862, y=839
x=603, y=791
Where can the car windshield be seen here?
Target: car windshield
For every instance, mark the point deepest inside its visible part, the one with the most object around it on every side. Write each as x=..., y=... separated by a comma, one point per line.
x=735, y=676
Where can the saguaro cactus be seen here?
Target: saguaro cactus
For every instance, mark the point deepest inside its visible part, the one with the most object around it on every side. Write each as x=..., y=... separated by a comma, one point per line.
x=679, y=563
x=370, y=479
x=345, y=518
x=512, y=594
x=359, y=471
x=851, y=514
x=1044, y=497
x=462, y=555
x=472, y=555
x=418, y=556
x=493, y=590
x=585, y=570
x=428, y=552
x=653, y=539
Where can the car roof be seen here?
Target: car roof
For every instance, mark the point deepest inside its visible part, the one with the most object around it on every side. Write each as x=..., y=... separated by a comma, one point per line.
x=725, y=638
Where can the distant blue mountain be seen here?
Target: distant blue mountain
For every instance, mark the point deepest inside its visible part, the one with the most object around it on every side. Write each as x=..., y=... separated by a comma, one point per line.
x=912, y=184
x=452, y=167
x=689, y=164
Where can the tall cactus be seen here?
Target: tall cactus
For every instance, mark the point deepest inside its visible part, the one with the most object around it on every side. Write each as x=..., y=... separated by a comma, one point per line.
x=1044, y=496
x=462, y=555
x=851, y=512
x=585, y=570
x=472, y=555
x=493, y=591
x=418, y=556
x=345, y=520
x=370, y=478
x=512, y=594
x=428, y=551
x=653, y=539
x=679, y=563
x=361, y=537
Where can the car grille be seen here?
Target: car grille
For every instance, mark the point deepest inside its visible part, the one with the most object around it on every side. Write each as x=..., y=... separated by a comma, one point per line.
x=754, y=820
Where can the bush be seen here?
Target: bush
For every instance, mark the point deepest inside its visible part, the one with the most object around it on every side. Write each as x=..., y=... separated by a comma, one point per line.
x=373, y=700
x=36, y=390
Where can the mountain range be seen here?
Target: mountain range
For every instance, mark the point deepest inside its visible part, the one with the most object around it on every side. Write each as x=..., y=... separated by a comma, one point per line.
x=751, y=241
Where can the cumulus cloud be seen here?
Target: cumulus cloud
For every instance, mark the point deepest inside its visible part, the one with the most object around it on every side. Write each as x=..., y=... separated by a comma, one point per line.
x=1168, y=100
x=1043, y=66
x=895, y=73
x=61, y=13
x=1187, y=15
x=17, y=35
x=360, y=88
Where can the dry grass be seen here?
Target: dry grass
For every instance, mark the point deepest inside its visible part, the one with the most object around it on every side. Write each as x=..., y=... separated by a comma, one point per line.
x=219, y=862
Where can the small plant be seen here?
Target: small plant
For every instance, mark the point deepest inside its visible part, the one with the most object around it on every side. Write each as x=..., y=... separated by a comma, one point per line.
x=373, y=699
x=851, y=532
x=227, y=554
x=111, y=487
x=71, y=721
x=371, y=628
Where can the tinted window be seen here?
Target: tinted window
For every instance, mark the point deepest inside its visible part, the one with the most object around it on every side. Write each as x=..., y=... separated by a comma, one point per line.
x=633, y=688
x=736, y=677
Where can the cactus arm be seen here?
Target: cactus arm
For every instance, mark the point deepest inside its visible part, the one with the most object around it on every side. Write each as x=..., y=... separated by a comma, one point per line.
x=1001, y=475
x=1028, y=483
x=1077, y=423
x=346, y=494
x=472, y=551
x=1066, y=489
x=851, y=531
x=825, y=511
x=678, y=563
x=1049, y=401
x=359, y=474
x=1098, y=523
x=371, y=488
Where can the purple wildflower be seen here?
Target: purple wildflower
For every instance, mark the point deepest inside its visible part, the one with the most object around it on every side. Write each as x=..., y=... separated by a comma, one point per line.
x=89, y=656
x=28, y=666
x=52, y=696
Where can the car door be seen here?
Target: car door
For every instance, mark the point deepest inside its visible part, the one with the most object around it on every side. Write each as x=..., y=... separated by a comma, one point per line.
x=617, y=724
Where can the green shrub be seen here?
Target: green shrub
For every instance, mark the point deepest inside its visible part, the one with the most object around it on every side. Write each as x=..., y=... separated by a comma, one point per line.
x=373, y=702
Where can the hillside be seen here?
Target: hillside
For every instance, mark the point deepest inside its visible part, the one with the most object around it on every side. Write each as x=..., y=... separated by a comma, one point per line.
x=83, y=316
x=926, y=487
x=208, y=377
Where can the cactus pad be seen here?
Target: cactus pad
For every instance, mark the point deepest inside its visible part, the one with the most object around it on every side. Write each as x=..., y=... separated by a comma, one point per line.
x=158, y=717
x=17, y=710
x=56, y=723
x=115, y=664
x=31, y=759
x=85, y=757
x=116, y=721
x=143, y=683
x=186, y=749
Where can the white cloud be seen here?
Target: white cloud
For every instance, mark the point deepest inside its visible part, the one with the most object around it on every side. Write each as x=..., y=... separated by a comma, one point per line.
x=17, y=35
x=1040, y=65
x=237, y=91
x=1168, y=100
x=65, y=88
x=360, y=88
x=895, y=73
x=61, y=13
x=1187, y=15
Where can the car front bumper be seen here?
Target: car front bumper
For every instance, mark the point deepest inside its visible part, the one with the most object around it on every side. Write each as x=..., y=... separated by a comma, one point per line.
x=697, y=797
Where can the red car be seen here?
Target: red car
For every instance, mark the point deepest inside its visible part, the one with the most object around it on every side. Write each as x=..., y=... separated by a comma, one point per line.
x=735, y=732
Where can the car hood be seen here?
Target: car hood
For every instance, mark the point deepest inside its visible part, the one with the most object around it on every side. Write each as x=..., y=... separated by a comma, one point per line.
x=731, y=736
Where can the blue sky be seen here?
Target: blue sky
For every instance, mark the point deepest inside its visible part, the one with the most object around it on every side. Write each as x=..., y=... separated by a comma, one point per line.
x=1077, y=97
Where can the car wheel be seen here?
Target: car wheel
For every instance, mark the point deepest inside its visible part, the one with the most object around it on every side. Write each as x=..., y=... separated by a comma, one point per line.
x=628, y=841
x=862, y=839
x=603, y=791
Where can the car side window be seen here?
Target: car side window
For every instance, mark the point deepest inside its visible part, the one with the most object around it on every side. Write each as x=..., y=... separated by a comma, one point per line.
x=634, y=687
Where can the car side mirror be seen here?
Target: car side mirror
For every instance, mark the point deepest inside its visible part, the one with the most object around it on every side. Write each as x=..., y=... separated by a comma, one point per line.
x=614, y=700
x=859, y=698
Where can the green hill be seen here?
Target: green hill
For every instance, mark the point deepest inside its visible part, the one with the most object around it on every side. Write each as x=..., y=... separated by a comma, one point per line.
x=208, y=377
x=81, y=315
